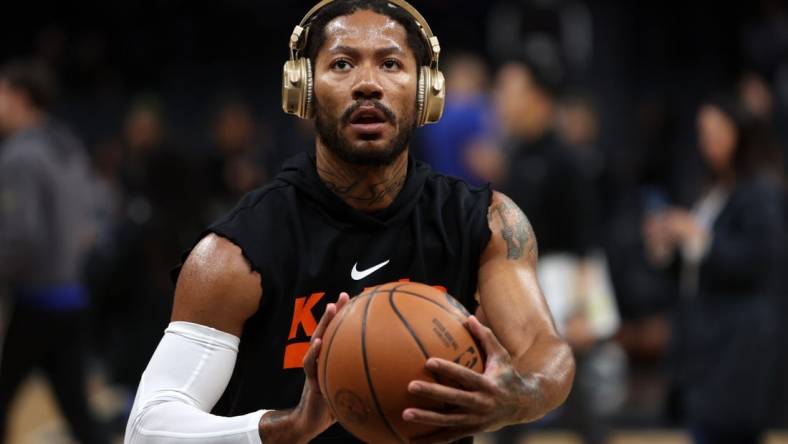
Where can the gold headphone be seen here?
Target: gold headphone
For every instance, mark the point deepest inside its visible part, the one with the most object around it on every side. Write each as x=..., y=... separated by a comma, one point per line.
x=298, y=88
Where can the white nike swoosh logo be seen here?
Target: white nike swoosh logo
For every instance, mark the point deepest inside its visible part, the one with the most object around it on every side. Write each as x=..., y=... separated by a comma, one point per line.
x=359, y=275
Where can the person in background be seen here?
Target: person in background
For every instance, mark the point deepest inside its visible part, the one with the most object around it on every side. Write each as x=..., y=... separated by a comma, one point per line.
x=461, y=145
x=235, y=165
x=160, y=211
x=544, y=177
x=759, y=99
x=45, y=234
x=756, y=96
x=577, y=126
x=143, y=139
x=725, y=250
x=542, y=174
x=601, y=386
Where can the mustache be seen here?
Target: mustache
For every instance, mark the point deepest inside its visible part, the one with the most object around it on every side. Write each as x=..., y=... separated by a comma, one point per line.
x=390, y=116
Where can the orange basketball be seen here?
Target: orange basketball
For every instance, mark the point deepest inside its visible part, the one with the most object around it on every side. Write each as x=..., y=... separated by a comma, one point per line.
x=379, y=343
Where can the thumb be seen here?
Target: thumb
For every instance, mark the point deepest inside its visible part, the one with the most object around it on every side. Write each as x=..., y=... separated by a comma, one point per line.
x=489, y=342
x=310, y=359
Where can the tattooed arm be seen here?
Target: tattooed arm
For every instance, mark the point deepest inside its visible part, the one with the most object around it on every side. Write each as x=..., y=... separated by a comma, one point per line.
x=514, y=308
x=529, y=369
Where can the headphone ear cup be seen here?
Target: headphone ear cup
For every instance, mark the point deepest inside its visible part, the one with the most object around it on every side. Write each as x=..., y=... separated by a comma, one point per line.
x=291, y=85
x=424, y=74
x=431, y=95
x=309, y=89
x=297, y=88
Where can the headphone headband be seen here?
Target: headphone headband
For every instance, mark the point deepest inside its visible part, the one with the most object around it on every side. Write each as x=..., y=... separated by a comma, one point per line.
x=297, y=80
x=298, y=37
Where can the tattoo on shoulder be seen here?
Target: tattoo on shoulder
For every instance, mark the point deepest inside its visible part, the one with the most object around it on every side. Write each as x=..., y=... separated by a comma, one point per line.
x=515, y=228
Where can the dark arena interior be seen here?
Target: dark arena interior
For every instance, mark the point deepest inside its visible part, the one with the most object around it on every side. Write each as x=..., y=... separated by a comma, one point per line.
x=646, y=142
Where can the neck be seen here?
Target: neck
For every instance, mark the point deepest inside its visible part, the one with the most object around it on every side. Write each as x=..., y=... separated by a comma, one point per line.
x=26, y=119
x=365, y=188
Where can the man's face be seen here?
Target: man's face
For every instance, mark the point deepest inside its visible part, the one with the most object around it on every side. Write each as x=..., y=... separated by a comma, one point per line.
x=365, y=80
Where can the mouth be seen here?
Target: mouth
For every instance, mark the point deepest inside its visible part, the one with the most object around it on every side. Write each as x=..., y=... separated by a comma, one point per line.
x=367, y=121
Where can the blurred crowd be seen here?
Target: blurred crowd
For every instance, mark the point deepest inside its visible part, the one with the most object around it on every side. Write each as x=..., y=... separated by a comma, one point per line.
x=648, y=151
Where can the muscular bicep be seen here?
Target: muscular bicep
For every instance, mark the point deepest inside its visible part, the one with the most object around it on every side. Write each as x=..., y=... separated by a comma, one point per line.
x=509, y=294
x=217, y=287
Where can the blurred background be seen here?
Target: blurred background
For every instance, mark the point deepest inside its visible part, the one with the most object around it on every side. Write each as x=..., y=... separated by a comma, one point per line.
x=646, y=141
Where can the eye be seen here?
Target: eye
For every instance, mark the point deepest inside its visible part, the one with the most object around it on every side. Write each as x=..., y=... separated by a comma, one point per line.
x=392, y=64
x=341, y=65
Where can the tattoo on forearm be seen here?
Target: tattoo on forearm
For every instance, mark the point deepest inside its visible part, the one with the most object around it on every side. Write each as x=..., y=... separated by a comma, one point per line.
x=515, y=229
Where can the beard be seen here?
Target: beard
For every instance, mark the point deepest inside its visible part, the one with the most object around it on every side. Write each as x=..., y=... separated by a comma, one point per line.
x=329, y=129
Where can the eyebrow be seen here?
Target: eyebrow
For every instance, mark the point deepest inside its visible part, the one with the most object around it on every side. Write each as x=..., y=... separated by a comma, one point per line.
x=355, y=52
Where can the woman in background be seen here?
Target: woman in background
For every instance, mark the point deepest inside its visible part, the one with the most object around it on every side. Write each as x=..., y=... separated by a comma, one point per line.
x=727, y=248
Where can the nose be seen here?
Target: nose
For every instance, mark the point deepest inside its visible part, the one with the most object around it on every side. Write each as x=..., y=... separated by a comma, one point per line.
x=367, y=85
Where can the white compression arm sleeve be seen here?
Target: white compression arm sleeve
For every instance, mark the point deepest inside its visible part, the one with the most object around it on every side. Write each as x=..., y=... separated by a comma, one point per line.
x=185, y=378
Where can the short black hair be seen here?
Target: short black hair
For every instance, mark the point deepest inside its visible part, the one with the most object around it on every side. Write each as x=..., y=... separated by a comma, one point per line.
x=317, y=25
x=547, y=75
x=34, y=78
x=756, y=150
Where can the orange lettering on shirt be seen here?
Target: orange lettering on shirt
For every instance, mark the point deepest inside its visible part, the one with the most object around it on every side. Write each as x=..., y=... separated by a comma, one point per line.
x=302, y=314
x=294, y=354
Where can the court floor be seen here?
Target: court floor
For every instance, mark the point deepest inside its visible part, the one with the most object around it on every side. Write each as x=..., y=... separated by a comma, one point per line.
x=35, y=420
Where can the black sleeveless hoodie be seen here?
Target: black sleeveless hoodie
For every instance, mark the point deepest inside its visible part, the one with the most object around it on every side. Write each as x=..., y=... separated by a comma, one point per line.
x=308, y=246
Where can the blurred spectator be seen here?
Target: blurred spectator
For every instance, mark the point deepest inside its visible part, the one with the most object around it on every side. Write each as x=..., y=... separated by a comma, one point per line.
x=45, y=234
x=461, y=144
x=727, y=248
x=601, y=381
x=545, y=179
x=143, y=140
x=543, y=176
x=160, y=215
x=107, y=195
x=758, y=98
x=764, y=44
x=235, y=164
x=577, y=127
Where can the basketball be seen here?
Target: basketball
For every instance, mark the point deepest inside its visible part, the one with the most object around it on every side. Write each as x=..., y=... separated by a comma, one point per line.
x=379, y=343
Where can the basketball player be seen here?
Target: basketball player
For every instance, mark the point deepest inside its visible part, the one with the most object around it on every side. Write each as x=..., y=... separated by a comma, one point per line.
x=359, y=213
